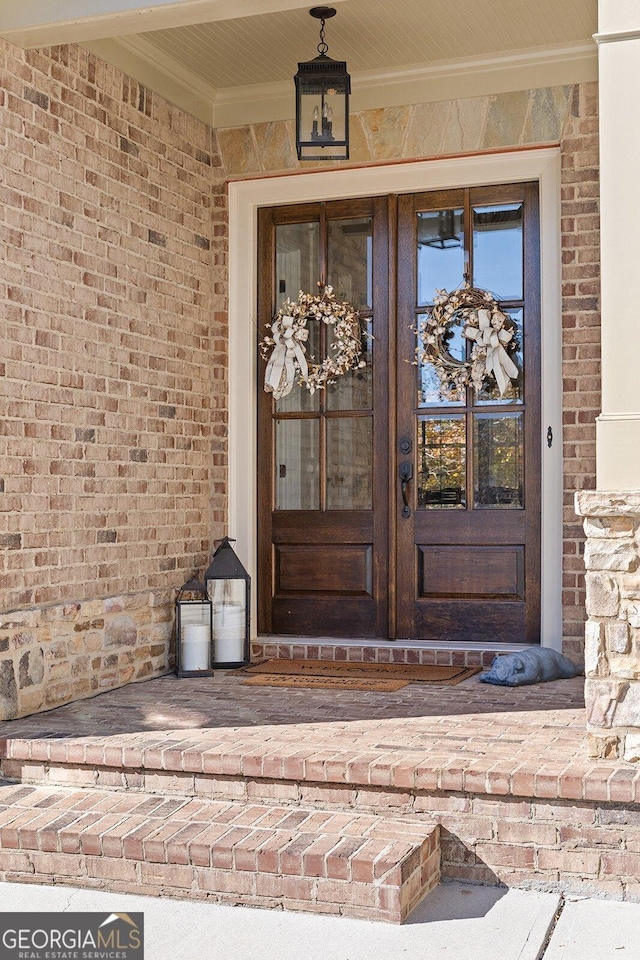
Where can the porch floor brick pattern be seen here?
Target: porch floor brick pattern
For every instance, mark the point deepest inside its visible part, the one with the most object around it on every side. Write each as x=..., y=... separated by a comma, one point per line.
x=505, y=773
x=229, y=852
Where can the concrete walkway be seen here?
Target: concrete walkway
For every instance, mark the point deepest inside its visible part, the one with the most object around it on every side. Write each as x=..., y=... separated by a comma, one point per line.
x=456, y=922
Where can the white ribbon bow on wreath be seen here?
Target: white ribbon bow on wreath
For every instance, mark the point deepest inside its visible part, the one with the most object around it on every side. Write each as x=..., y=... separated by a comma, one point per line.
x=288, y=338
x=492, y=342
x=493, y=333
x=284, y=348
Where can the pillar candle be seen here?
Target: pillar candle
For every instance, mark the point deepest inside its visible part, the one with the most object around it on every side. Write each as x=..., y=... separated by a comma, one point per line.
x=195, y=647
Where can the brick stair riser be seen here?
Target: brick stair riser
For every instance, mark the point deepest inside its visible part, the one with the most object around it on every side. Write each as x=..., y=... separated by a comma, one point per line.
x=230, y=852
x=568, y=845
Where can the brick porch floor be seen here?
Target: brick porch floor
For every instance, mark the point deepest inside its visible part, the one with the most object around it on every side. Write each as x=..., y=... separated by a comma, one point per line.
x=505, y=773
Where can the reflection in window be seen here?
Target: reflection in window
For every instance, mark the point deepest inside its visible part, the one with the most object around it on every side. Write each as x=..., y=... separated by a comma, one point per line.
x=497, y=250
x=498, y=461
x=440, y=252
x=441, y=462
x=297, y=259
x=349, y=463
x=297, y=465
x=350, y=260
x=430, y=390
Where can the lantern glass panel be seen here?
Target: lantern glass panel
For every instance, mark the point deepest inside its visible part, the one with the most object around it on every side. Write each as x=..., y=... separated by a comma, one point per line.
x=193, y=623
x=229, y=598
x=322, y=115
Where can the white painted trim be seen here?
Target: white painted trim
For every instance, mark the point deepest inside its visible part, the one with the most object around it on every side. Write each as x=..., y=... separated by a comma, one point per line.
x=422, y=83
x=174, y=69
x=616, y=36
x=245, y=197
x=126, y=58
x=603, y=417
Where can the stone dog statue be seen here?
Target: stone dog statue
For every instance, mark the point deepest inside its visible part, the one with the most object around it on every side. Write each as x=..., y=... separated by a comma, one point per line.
x=535, y=665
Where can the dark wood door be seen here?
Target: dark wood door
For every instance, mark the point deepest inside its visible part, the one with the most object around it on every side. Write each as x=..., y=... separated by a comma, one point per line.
x=469, y=552
x=323, y=511
x=336, y=556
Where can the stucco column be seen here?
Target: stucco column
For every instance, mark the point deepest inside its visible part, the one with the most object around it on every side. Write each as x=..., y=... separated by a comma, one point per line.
x=618, y=426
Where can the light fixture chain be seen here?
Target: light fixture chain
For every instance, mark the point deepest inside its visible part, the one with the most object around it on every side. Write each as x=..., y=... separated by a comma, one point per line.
x=322, y=46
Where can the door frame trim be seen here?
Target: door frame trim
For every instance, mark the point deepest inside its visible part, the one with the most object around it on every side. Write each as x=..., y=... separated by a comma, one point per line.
x=246, y=196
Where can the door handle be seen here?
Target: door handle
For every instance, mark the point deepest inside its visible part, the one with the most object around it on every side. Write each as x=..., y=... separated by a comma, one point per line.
x=405, y=473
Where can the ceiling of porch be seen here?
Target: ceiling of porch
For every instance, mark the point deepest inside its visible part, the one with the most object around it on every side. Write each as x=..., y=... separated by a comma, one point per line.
x=231, y=68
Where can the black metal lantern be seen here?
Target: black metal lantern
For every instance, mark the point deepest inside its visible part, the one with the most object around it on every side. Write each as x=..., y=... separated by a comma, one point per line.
x=322, y=102
x=229, y=589
x=193, y=630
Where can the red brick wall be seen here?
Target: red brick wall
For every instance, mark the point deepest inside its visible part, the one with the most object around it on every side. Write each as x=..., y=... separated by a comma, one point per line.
x=581, y=341
x=112, y=354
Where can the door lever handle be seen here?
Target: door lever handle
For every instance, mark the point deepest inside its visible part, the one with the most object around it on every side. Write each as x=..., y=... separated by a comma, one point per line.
x=405, y=473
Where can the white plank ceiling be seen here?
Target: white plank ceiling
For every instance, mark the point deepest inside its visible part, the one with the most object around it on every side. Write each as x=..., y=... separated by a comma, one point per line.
x=372, y=35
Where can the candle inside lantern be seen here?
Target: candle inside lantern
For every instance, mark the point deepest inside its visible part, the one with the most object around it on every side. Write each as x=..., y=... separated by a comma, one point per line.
x=316, y=117
x=228, y=632
x=195, y=647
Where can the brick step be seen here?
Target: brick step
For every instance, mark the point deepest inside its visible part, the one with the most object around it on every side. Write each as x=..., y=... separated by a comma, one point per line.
x=372, y=651
x=238, y=853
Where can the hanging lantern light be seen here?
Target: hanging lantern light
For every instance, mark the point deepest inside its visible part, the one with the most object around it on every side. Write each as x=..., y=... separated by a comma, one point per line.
x=322, y=102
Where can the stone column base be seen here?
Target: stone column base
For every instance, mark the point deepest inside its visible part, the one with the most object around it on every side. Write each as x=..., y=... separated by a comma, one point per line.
x=612, y=637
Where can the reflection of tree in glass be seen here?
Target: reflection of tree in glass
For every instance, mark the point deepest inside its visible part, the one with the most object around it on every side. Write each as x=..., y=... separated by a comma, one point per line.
x=442, y=462
x=498, y=458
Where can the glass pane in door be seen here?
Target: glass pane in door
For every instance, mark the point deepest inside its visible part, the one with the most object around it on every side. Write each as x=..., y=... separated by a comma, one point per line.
x=497, y=250
x=431, y=392
x=441, y=450
x=440, y=252
x=297, y=465
x=498, y=475
x=514, y=393
x=354, y=390
x=297, y=259
x=349, y=463
x=350, y=260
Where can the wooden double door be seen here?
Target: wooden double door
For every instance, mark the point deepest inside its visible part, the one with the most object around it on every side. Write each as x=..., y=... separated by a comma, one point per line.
x=389, y=507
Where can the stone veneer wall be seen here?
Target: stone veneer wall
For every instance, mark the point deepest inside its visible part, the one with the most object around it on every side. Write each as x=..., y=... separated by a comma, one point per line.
x=60, y=653
x=565, y=115
x=112, y=373
x=612, y=651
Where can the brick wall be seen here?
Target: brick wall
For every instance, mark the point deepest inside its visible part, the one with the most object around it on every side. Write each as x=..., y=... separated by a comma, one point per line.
x=112, y=353
x=111, y=370
x=581, y=342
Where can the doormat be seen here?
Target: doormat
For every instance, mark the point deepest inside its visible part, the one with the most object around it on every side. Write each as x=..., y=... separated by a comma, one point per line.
x=351, y=672
x=325, y=683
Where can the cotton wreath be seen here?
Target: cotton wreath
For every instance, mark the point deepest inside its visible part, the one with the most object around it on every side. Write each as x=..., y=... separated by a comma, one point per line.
x=492, y=332
x=285, y=347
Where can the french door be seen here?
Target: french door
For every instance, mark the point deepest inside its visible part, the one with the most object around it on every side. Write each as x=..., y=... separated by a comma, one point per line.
x=389, y=507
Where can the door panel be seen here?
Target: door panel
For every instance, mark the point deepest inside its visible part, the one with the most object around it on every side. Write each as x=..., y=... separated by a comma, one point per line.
x=468, y=571
x=324, y=568
x=469, y=550
x=323, y=548
x=340, y=553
